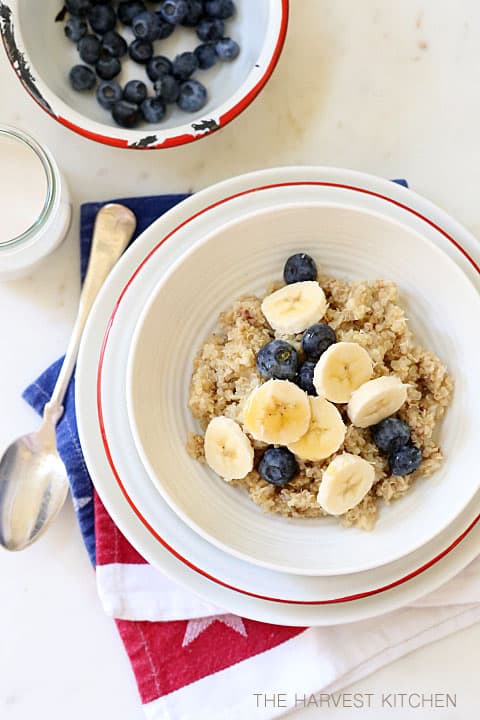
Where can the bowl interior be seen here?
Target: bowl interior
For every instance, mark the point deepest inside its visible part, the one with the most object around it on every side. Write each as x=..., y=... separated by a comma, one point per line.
x=246, y=256
x=52, y=55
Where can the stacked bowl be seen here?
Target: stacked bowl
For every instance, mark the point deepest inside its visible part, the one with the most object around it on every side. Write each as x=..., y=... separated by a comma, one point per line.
x=135, y=365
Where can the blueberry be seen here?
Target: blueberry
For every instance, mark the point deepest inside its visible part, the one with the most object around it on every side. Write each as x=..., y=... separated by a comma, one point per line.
x=135, y=91
x=167, y=88
x=89, y=49
x=102, y=18
x=128, y=9
x=227, y=49
x=78, y=7
x=174, y=11
x=277, y=359
x=316, y=339
x=222, y=9
x=158, y=66
x=193, y=96
x=82, y=78
x=405, y=460
x=108, y=93
x=298, y=268
x=184, y=65
x=114, y=44
x=305, y=378
x=390, y=434
x=278, y=466
x=165, y=29
x=108, y=67
x=125, y=114
x=210, y=29
x=195, y=13
x=153, y=109
x=146, y=25
x=206, y=55
x=141, y=51
x=75, y=28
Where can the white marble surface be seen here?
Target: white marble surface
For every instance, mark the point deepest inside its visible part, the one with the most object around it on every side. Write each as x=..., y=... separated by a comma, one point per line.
x=389, y=88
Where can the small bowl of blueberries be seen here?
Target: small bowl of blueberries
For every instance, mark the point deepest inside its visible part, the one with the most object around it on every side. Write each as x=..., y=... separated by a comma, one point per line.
x=143, y=74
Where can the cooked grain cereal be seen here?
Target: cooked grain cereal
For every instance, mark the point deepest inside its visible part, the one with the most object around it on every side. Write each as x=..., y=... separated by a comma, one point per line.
x=368, y=313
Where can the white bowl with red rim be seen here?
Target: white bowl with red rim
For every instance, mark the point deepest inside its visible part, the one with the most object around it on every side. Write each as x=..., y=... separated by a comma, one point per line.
x=123, y=484
x=244, y=255
x=42, y=56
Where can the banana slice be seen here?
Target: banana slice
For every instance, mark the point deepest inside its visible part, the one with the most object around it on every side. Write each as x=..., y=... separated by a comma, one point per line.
x=295, y=307
x=342, y=368
x=325, y=433
x=228, y=451
x=345, y=482
x=376, y=400
x=277, y=412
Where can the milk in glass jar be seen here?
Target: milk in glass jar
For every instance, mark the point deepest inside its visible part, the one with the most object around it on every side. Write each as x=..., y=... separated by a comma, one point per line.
x=35, y=209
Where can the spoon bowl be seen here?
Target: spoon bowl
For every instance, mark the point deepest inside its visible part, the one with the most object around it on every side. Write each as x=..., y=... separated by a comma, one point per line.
x=30, y=503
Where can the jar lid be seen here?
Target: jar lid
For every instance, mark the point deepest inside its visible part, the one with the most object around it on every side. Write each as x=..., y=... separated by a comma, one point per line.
x=26, y=186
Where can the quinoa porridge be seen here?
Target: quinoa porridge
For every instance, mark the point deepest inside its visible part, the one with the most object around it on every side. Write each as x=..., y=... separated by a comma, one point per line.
x=359, y=316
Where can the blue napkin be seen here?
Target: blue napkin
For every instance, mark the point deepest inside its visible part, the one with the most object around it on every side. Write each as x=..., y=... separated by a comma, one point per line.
x=146, y=209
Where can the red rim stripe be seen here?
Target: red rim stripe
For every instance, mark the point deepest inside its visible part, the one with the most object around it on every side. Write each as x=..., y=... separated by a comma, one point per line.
x=226, y=118
x=144, y=521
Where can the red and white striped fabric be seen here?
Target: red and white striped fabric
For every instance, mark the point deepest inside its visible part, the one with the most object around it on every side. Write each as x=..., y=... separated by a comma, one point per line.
x=193, y=661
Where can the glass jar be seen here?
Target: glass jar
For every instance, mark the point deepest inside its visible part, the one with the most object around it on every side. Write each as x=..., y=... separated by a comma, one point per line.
x=35, y=210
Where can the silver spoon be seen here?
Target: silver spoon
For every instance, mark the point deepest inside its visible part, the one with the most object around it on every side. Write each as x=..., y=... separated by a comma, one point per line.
x=33, y=478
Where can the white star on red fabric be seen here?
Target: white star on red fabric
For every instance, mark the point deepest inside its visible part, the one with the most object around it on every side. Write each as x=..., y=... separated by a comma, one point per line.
x=198, y=625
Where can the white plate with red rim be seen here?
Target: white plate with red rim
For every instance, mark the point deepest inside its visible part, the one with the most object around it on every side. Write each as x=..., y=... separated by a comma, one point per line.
x=248, y=253
x=156, y=532
x=28, y=27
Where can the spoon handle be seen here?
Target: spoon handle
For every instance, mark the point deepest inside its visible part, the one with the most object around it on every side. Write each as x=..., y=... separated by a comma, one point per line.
x=114, y=228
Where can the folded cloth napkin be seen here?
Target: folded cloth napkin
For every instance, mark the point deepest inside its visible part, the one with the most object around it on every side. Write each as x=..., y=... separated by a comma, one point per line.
x=192, y=660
